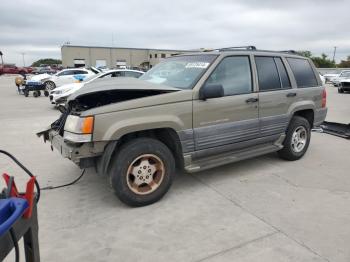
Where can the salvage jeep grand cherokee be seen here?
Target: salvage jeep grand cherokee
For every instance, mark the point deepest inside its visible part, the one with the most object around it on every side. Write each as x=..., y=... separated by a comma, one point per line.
x=193, y=112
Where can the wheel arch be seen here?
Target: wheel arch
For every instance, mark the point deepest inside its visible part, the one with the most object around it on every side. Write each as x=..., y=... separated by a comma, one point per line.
x=308, y=114
x=166, y=135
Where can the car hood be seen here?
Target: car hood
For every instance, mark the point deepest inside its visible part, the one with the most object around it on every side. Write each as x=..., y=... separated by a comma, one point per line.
x=39, y=77
x=69, y=86
x=119, y=83
x=122, y=93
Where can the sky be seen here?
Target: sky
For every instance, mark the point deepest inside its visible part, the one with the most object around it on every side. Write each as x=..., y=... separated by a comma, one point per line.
x=39, y=28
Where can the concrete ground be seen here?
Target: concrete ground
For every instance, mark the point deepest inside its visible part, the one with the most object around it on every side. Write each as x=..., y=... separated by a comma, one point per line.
x=262, y=209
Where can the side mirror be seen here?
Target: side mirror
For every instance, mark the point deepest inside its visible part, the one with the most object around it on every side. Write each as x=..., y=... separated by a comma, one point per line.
x=211, y=91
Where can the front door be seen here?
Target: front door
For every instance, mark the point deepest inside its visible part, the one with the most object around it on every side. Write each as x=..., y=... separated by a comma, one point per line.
x=232, y=118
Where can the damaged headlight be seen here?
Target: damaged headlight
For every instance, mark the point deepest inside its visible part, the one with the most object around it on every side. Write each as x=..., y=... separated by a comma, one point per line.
x=78, y=129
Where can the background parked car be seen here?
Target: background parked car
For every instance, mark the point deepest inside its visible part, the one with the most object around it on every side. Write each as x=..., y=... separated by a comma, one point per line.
x=345, y=74
x=344, y=85
x=44, y=70
x=12, y=69
x=60, y=94
x=67, y=76
x=329, y=77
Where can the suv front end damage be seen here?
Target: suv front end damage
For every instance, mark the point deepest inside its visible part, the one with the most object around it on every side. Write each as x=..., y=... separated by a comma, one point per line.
x=71, y=135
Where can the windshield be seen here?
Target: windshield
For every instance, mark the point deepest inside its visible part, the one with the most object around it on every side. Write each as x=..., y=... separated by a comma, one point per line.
x=181, y=71
x=345, y=74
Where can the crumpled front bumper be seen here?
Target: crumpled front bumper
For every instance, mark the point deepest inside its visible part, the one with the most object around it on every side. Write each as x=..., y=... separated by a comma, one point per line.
x=82, y=154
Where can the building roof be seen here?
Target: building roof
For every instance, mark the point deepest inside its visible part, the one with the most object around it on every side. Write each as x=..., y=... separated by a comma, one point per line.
x=132, y=48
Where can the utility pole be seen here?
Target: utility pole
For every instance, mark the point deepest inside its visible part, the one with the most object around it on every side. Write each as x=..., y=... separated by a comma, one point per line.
x=24, y=64
x=2, y=60
x=335, y=50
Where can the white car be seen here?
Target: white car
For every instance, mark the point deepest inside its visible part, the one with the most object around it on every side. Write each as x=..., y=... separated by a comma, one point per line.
x=323, y=79
x=59, y=95
x=329, y=77
x=67, y=76
x=345, y=74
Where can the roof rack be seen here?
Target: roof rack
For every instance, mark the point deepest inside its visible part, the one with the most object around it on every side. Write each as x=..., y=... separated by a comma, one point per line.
x=248, y=47
x=289, y=51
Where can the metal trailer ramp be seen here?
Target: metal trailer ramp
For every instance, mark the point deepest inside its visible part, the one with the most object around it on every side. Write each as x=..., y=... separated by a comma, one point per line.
x=337, y=129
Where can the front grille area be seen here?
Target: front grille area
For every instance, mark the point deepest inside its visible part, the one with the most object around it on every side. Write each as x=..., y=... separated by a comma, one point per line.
x=346, y=84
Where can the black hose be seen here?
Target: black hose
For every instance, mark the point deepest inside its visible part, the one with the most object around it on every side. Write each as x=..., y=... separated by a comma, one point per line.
x=15, y=244
x=25, y=170
x=69, y=184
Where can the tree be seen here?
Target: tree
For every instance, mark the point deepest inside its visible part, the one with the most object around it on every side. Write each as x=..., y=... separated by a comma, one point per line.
x=345, y=63
x=305, y=53
x=47, y=61
x=323, y=61
x=320, y=62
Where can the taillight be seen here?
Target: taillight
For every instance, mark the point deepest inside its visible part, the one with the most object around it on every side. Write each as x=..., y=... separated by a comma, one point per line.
x=324, y=98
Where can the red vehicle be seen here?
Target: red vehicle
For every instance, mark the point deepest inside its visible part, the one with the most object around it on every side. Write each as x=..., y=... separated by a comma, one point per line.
x=12, y=69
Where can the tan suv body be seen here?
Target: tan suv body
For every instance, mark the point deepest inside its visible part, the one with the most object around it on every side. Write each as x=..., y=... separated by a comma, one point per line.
x=193, y=111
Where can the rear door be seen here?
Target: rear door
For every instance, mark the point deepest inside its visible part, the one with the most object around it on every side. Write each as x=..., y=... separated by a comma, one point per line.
x=230, y=119
x=275, y=96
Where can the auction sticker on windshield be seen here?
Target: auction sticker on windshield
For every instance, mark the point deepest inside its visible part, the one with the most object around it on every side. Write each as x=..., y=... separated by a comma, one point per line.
x=197, y=65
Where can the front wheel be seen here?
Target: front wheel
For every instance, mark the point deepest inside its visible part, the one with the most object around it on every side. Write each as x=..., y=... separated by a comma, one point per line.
x=142, y=171
x=340, y=90
x=49, y=85
x=297, y=140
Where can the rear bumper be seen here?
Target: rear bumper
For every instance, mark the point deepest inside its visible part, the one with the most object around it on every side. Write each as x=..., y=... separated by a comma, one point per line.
x=320, y=116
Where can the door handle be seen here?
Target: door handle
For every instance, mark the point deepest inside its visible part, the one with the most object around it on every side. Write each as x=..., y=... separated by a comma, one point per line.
x=252, y=100
x=291, y=94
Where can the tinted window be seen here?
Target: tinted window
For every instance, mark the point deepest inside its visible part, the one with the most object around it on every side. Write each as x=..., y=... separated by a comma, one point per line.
x=267, y=73
x=303, y=73
x=79, y=72
x=117, y=74
x=66, y=73
x=283, y=73
x=234, y=74
x=132, y=74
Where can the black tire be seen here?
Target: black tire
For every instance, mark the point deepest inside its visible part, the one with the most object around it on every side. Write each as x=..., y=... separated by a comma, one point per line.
x=49, y=85
x=46, y=93
x=340, y=90
x=35, y=94
x=288, y=153
x=26, y=93
x=128, y=153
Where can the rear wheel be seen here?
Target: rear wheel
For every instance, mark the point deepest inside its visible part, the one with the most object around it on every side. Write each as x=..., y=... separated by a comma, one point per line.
x=297, y=140
x=142, y=171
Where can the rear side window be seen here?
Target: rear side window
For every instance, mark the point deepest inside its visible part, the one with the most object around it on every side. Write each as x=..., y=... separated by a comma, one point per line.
x=267, y=73
x=303, y=73
x=283, y=73
x=132, y=74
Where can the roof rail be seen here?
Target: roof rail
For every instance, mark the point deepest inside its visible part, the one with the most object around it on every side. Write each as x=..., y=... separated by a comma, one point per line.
x=248, y=47
x=289, y=51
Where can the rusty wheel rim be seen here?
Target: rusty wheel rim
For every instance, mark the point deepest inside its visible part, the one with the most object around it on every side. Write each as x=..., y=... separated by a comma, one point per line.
x=145, y=174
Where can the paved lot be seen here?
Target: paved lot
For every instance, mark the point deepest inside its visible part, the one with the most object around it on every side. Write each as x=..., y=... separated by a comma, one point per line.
x=263, y=209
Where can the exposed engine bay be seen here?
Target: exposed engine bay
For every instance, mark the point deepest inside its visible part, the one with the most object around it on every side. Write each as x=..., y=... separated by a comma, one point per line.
x=92, y=100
